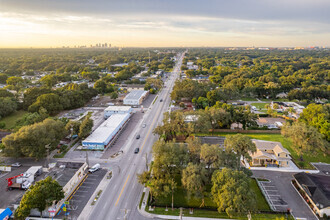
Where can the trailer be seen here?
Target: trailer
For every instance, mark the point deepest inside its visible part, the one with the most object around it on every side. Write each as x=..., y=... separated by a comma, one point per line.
x=21, y=182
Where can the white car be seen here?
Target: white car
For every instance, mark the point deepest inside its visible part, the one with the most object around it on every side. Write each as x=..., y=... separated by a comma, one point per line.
x=17, y=164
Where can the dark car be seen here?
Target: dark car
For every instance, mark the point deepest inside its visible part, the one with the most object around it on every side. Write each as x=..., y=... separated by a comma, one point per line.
x=136, y=151
x=161, y=100
x=138, y=136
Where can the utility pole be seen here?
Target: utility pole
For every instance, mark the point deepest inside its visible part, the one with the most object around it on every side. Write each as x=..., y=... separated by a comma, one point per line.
x=147, y=161
x=87, y=159
x=47, y=147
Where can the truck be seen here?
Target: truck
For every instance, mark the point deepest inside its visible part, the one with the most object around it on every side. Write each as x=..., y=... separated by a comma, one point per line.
x=24, y=180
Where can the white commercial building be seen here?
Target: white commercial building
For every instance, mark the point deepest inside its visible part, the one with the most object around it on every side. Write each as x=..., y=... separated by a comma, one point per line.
x=106, y=132
x=116, y=110
x=135, y=97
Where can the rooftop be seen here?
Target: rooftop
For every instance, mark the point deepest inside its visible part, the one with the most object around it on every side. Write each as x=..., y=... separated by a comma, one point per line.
x=118, y=108
x=64, y=174
x=102, y=133
x=270, y=145
x=135, y=94
x=266, y=121
x=316, y=186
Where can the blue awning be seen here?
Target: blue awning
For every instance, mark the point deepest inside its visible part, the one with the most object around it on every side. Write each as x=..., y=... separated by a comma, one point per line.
x=6, y=214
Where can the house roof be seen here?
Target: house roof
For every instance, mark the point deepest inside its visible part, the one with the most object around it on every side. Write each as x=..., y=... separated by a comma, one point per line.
x=263, y=155
x=316, y=186
x=269, y=121
x=270, y=145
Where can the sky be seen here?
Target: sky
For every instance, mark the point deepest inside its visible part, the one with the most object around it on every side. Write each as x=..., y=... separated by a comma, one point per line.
x=165, y=23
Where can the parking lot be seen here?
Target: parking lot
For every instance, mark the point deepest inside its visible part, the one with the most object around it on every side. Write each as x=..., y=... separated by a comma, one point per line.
x=83, y=194
x=273, y=196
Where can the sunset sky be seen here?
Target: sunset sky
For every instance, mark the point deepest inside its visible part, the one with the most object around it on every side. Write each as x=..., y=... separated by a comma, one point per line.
x=145, y=23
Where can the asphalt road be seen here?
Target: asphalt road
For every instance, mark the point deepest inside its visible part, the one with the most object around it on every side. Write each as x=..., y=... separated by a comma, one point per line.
x=122, y=195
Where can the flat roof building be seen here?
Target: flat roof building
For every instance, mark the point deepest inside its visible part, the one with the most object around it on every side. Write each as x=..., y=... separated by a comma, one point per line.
x=116, y=110
x=106, y=132
x=135, y=97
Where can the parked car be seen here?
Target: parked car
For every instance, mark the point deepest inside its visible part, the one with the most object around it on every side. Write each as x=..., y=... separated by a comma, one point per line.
x=161, y=100
x=94, y=168
x=144, y=125
x=136, y=151
x=138, y=136
x=17, y=164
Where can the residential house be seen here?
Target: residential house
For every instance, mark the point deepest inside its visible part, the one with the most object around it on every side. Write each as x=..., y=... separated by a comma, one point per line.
x=271, y=123
x=269, y=153
x=317, y=190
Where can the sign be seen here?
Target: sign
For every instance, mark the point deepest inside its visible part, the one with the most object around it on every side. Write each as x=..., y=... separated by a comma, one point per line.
x=66, y=202
x=64, y=209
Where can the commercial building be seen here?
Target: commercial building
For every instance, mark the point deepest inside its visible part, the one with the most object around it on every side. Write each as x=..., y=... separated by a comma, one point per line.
x=106, y=133
x=116, y=110
x=135, y=97
x=315, y=189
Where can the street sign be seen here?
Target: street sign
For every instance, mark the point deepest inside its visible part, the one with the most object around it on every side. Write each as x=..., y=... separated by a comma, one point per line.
x=64, y=209
x=66, y=202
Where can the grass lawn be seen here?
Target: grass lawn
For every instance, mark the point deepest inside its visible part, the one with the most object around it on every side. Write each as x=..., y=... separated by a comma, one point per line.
x=259, y=105
x=10, y=120
x=248, y=99
x=317, y=157
x=209, y=210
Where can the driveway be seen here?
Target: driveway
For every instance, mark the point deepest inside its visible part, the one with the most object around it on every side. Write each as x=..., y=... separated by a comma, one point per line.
x=284, y=192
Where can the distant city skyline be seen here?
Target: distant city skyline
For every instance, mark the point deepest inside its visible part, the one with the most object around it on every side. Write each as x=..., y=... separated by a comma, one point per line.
x=159, y=23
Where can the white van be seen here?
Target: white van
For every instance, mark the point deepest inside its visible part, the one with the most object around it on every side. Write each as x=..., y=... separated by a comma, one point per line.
x=94, y=168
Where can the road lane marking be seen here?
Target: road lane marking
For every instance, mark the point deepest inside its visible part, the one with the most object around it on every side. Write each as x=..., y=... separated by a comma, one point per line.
x=121, y=192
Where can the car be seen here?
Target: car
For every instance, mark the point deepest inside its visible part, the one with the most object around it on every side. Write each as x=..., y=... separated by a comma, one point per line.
x=17, y=164
x=94, y=168
x=138, y=136
x=136, y=151
x=144, y=125
x=161, y=100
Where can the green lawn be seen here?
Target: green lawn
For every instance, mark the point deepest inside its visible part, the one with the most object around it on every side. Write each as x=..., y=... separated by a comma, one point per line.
x=181, y=198
x=248, y=99
x=10, y=120
x=259, y=105
x=317, y=157
x=212, y=214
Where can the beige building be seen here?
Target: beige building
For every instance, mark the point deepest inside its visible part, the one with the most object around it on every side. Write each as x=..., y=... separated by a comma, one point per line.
x=269, y=153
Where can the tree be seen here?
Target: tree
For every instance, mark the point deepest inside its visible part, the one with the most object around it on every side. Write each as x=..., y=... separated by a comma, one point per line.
x=8, y=105
x=39, y=196
x=3, y=78
x=31, y=95
x=85, y=127
x=174, y=125
x=212, y=118
x=101, y=86
x=317, y=116
x=232, y=193
x=31, y=118
x=51, y=102
x=194, y=179
x=305, y=138
x=241, y=145
x=114, y=95
x=15, y=83
x=74, y=125
x=30, y=141
x=49, y=80
x=4, y=93
x=210, y=155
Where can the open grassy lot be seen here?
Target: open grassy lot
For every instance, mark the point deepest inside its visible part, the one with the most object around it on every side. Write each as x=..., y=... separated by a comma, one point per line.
x=317, y=157
x=248, y=99
x=259, y=105
x=10, y=120
x=181, y=198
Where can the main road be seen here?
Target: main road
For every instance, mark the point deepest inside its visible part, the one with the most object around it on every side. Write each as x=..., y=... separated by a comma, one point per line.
x=122, y=195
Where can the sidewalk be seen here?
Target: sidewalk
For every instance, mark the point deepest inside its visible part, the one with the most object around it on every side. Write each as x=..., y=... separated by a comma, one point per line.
x=149, y=215
x=84, y=215
x=291, y=168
